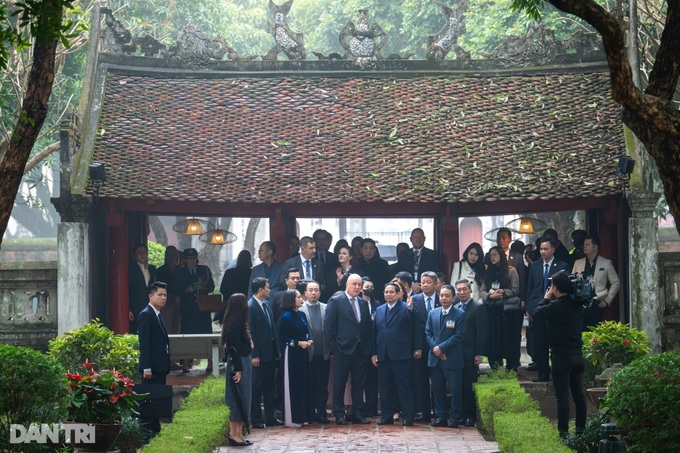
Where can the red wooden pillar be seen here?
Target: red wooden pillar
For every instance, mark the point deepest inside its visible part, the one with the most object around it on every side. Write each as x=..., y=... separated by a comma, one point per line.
x=449, y=247
x=278, y=234
x=118, y=271
x=608, y=223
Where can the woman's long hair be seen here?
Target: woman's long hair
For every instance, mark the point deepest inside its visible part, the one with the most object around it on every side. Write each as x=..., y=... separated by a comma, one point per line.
x=501, y=272
x=478, y=267
x=288, y=301
x=237, y=310
x=244, y=259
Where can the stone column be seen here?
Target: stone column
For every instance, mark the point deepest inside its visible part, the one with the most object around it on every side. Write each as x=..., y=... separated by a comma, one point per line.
x=645, y=295
x=73, y=309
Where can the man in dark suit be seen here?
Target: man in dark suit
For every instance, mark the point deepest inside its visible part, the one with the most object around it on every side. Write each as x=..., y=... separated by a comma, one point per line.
x=375, y=267
x=347, y=331
x=306, y=262
x=423, y=303
x=474, y=345
x=445, y=331
x=264, y=356
x=394, y=342
x=323, y=240
x=291, y=277
x=154, y=345
x=419, y=258
x=140, y=275
x=539, y=273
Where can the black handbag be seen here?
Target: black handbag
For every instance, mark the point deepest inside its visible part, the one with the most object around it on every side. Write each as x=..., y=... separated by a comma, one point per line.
x=511, y=304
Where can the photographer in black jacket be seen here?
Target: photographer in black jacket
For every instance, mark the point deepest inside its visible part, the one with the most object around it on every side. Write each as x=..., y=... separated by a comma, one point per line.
x=564, y=315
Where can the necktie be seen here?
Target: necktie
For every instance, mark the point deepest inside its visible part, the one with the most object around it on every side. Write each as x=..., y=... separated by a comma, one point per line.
x=147, y=276
x=193, y=271
x=266, y=315
x=429, y=304
x=444, y=313
x=308, y=270
x=323, y=258
x=545, y=277
x=160, y=321
x=416, y=259
x=355, y=307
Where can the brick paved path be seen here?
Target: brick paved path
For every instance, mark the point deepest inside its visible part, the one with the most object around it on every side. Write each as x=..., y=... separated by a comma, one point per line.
x=366, y=438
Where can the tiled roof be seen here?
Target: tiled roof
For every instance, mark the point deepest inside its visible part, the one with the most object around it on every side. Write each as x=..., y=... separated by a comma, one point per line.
x=312, y=139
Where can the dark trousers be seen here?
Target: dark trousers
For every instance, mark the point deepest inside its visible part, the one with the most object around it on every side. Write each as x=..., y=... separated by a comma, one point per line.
x=371, y=405
x=422, y=399
x=318, y=386
x=541, y=347
x=394, y=380
x=153, y=425
x=470, y=374
x=567, y=370
x=344, y=365
x=263, y=388
x=513, y=338
x=454, y=378
x=592, y=316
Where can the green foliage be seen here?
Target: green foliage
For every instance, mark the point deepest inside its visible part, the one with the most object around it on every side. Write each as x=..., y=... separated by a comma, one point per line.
x=501, y=395
x=611, y=342
x=156, y=254
x=589, y=440
x=32, y=390
x=105, y=396
x=526, y=432
x=644, y=400
x=93, y=342
x=200, y=425
x=500, y=374
x=532, y=8
x=131, y=436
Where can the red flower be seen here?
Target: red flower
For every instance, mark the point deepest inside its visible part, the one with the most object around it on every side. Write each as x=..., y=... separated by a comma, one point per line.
x=113, y=398
x=658, y=375
x=72, y=384
x=626, y=341
x=596, y=340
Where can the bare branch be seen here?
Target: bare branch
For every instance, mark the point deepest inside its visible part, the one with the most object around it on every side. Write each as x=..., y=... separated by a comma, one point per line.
x=35, y=160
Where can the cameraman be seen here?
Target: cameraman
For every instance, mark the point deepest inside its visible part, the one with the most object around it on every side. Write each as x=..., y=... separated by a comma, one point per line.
x=564, y=316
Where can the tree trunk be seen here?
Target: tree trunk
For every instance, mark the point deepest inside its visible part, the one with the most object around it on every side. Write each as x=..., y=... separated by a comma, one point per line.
x=158, y=230
x=28, y=127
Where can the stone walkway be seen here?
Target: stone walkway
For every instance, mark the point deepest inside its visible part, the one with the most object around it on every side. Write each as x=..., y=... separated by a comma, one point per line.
x=366, y=438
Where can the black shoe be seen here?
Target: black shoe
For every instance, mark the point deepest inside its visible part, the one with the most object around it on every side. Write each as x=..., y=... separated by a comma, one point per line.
x=408, y=421
x=470, y=423
x=340, y=421
x=439, y=423
x=421, y=419
x=235, y=443
x=452, y=424
x=275, y=422
x=323, y=420
x=532, y=367
x=359, y=420
x=385, y=421
x=540, y=379
x=258, y=426
x=247, y=442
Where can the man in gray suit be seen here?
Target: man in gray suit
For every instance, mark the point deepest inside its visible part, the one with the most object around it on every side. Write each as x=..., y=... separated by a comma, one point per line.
x=347, y=331
x=319, y=353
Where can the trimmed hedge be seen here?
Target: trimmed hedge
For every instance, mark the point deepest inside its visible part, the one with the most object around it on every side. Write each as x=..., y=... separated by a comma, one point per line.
x=505, y=395
x=200, y=425
x=526, y=432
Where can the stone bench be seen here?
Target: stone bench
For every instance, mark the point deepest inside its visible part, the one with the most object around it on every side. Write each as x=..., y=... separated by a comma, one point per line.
x=196, y=346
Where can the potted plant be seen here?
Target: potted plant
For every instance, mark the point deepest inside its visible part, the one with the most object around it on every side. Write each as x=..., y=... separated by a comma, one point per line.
x=608, y=347
x=643, y=400
x=101, y=398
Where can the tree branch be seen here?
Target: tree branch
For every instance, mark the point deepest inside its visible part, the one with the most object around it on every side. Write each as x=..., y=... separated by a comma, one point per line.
x=35, y=160
x=663, y=79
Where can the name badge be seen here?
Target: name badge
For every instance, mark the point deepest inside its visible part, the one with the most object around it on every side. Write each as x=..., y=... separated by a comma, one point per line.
x=450, y=324
x=496, y=285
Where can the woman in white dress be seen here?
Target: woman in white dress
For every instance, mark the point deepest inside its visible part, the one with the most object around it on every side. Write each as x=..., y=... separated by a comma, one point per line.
x=471, y=267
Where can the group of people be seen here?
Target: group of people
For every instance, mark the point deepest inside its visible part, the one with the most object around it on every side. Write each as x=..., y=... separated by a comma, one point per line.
x=349, y=322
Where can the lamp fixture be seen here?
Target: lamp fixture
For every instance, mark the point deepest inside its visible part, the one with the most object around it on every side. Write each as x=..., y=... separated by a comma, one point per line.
x=527, y=225
x=218, y=237
x=192, y=227
x=625, y=166
x=491, y=234
x=97, y=173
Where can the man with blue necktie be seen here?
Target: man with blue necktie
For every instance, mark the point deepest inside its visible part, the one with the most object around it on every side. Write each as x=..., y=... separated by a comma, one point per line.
x=307, y=263
x=445, y=330
x=539, y=273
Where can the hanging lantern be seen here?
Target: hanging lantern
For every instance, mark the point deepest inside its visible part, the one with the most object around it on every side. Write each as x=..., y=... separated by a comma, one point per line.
x=217, y=237
x=192, y=227
x=527, y=225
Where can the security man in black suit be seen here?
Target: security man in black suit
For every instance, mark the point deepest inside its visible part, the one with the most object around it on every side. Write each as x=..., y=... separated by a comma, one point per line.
x=264, y=356
x=140, y=275
x=347, y=331
x=154, y=345
x=419, y=258
x=474, y=345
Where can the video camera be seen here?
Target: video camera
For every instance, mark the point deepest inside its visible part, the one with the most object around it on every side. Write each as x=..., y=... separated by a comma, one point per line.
x=581, y=289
